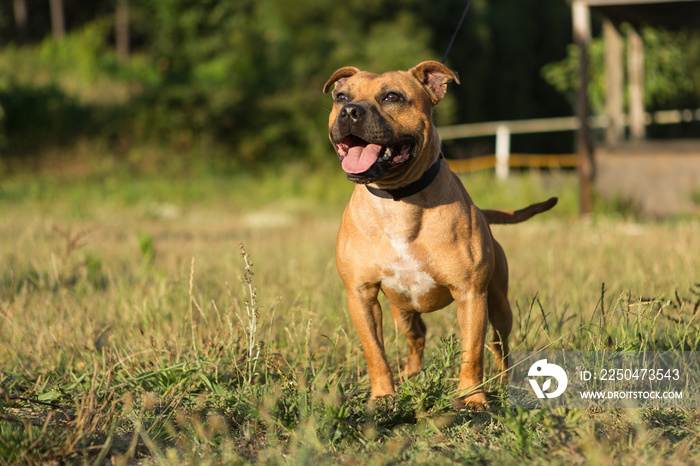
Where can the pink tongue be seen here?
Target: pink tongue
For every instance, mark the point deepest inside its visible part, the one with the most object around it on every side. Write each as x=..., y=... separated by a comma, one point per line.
x=359, y=158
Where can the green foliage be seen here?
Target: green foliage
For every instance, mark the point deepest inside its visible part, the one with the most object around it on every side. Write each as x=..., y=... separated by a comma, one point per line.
x=251, y=73
x=563, y=75
x=79, y=52
x=82, y=65
x=521, y=427
x=666, y=66
x=56, y=92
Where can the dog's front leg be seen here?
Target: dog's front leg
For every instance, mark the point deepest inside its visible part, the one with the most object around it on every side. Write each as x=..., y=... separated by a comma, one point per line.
x=472, y=315
x=366, y=314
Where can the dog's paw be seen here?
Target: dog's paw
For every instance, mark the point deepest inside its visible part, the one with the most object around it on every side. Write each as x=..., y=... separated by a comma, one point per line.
x=475, y=401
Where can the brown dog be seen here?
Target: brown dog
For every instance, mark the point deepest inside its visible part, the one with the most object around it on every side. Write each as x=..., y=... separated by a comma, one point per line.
x=410, y=228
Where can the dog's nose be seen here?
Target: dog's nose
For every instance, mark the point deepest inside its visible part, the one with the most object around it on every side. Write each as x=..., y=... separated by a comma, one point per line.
x=353, y=112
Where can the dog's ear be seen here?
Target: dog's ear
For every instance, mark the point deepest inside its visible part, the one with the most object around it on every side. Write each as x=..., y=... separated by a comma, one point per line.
x=434, y=77
x=339, y=77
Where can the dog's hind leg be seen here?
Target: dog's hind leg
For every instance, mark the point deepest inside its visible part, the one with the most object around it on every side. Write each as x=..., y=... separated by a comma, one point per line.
x=411, y=325
x=500, y=314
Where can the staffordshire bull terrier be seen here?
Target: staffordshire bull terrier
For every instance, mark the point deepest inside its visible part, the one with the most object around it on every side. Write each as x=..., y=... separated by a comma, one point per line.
x=411, y=230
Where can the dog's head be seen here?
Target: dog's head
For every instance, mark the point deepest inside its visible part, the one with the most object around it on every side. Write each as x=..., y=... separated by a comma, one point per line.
x=381, y=125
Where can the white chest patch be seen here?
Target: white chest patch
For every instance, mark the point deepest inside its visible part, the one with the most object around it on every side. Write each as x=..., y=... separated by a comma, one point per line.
x=404, y=276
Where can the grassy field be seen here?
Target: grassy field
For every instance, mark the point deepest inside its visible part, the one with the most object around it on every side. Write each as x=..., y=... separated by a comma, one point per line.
x=135, y=329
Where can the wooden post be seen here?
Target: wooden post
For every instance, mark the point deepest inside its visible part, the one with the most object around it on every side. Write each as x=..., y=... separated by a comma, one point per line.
x=614, y=83
x=58, y=23
x=121, y=29
x=20, y=11
x=635, y=72
x=584, y=154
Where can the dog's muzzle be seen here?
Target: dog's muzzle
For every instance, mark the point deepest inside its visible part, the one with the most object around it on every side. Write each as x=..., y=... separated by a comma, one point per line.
x=365, y=158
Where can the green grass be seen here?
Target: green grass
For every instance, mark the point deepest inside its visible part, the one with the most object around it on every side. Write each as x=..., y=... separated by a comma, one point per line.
x=133, y=329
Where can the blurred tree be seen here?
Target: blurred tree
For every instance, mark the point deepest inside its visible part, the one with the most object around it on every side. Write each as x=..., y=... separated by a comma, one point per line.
x=251, y=72
x=121, y=28
x=20, y=13
x=58, y=23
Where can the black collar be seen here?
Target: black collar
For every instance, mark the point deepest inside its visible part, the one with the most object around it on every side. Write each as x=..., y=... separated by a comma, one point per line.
x=417, y=186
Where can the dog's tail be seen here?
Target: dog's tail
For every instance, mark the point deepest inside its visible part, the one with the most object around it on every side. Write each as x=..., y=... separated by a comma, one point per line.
x=517, y=216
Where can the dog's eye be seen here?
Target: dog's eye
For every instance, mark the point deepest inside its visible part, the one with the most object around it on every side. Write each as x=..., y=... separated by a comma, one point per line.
x=340, y=98
x=393, y=97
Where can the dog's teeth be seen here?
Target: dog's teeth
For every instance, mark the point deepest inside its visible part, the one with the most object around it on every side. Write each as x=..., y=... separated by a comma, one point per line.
x=387, y=154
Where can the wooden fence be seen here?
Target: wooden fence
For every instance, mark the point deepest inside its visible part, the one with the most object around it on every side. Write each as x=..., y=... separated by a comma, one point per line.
x=514, y=160
x=502, y=160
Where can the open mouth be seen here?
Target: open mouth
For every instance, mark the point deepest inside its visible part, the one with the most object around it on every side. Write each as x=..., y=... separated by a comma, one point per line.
x=358, y=156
